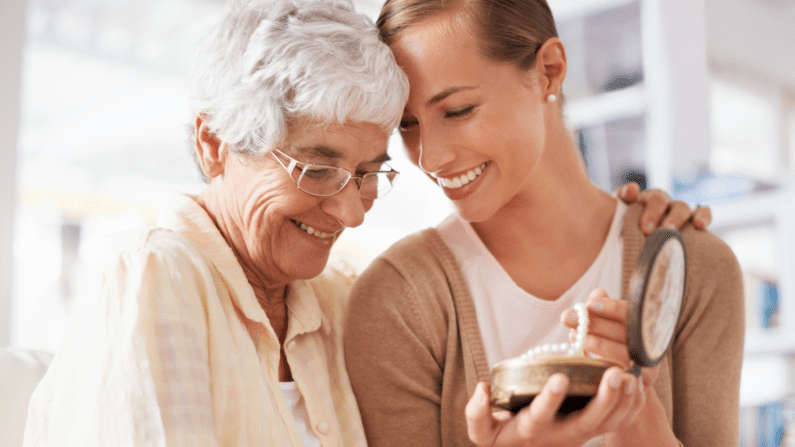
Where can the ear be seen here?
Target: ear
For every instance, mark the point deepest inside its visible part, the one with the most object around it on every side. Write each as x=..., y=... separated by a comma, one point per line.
x=210, y=150
x=551, y=64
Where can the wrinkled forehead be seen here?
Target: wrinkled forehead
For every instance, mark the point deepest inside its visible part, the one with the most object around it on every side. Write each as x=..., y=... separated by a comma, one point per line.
x=351, y=141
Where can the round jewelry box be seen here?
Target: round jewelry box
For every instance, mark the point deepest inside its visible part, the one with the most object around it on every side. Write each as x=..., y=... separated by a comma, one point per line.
x=656, y=291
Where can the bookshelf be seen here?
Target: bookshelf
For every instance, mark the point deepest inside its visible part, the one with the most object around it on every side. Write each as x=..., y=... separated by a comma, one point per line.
x=759, y=230
x=651, y=121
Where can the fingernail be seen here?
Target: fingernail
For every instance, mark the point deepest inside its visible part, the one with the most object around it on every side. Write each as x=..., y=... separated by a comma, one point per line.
x=670, y=226
x=630, y=387
x=614, y=381
x=571, y=318
x=640, y=386
x=623, y=191
x=596, y=306
x=649, y=227
x=483, y=395
x=557, y=384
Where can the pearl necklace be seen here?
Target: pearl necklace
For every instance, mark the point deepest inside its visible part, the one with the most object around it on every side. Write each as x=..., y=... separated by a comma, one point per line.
x=567, y=348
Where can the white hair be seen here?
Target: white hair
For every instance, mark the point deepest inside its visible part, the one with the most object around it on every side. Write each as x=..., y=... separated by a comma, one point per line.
x=273, y=61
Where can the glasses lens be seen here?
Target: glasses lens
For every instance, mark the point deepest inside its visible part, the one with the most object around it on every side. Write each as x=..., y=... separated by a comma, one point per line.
x=377, y=184
x=322, y=180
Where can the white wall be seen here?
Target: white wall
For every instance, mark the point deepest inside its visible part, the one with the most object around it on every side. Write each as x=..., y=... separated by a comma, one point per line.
x=12, y=33
x=757, y=37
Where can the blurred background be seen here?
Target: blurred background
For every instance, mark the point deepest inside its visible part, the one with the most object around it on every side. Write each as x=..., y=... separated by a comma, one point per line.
x=696, y=97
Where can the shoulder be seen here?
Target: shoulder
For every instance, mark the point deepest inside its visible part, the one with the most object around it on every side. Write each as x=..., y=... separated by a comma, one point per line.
x=146, y=265
x=410, y=281
x=418, y=264
x=333, y=285
x=414, y=257
x=704, y=249
x=150, y=244
x=714, y=277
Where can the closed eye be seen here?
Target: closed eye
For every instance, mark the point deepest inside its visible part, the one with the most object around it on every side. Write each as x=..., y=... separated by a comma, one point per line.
x=406, y=125
x=458, y=113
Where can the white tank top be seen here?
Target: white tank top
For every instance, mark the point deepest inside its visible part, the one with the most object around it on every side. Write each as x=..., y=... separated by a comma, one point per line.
x=511, y=320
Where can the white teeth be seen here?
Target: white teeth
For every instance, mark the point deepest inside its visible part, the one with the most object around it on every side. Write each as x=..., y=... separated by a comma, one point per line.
x=457, y=182
x=312, y=231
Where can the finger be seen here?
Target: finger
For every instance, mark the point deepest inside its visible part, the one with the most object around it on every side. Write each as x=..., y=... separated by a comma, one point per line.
x=544, y=407
x=702, y=217
x=639, y=403
x=656, y=205
x=607, y=349
x=627, y=406
x=608, y=328
x=595, y=413
x=679, y=213
x=481, y=426
x=629, y=192
x=600, y=304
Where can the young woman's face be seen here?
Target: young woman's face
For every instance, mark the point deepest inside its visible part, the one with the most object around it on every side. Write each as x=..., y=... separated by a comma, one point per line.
x=476, y=126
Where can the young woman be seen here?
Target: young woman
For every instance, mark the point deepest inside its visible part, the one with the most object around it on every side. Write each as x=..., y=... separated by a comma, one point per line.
x=430, y=316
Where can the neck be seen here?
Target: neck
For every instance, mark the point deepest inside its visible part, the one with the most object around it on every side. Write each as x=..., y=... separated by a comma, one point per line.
x=270, y=293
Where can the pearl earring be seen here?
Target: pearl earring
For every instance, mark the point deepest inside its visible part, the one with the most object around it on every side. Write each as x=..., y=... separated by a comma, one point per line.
x=551, y=98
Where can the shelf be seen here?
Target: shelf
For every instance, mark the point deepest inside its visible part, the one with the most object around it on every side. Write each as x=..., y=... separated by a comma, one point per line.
x=564, y=10
x=606, y=107
x=754, y=209
x=773, y=341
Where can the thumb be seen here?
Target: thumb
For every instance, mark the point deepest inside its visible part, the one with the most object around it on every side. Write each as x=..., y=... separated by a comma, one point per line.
x=481, y=426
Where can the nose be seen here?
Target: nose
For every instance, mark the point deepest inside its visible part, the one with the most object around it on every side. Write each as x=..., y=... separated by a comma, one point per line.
x=347, y=206
x=433, y=153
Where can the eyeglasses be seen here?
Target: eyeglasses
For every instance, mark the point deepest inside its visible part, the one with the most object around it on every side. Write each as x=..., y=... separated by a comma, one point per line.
x=323, y=181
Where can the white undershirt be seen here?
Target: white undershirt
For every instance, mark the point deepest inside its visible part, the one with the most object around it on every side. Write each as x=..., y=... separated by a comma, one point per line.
x=511, y=320
x=297, y=405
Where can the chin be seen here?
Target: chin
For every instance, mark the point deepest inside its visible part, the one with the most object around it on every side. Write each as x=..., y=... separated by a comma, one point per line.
x=310, y=269
x=474, y=214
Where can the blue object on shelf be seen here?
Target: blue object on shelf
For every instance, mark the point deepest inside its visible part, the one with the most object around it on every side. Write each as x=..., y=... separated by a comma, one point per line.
x=708, y=188
x=771, y=424
x=768, y=304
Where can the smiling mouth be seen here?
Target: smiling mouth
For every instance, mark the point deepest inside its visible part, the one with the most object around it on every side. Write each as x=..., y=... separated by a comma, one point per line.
x=317, y=233
x=463, y=179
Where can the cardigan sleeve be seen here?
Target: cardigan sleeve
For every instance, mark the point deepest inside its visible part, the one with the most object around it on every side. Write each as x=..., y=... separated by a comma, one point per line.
x=393, y=359
x=708, y=349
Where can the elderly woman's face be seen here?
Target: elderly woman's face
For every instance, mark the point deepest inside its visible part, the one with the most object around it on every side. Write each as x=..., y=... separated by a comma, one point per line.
x=273, y=216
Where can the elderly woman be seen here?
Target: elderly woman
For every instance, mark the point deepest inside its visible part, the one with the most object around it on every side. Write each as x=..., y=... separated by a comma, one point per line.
x=220, y=326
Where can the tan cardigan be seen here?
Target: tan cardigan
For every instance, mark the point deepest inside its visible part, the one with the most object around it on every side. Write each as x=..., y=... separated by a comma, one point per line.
x=414, y=350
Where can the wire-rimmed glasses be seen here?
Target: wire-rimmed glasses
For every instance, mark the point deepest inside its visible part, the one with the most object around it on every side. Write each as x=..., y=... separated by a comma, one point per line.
x=323, y=180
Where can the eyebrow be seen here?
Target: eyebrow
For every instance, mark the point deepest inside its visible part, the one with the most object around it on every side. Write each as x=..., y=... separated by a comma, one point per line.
x=445, y=93
x=327, y=152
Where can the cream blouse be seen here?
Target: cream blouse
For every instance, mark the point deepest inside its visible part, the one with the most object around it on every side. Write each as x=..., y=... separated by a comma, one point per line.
x=167, y=345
